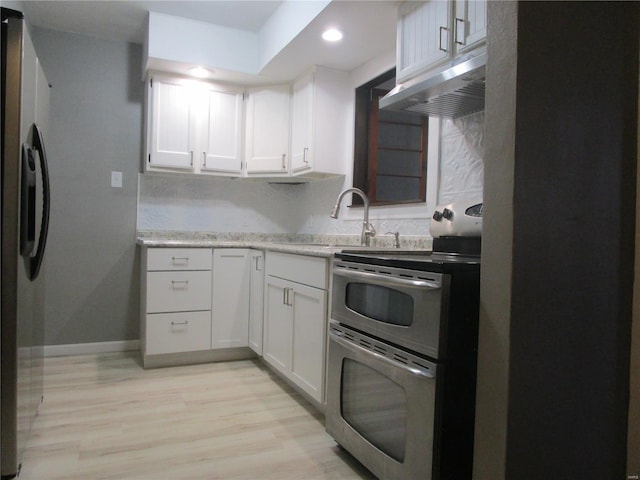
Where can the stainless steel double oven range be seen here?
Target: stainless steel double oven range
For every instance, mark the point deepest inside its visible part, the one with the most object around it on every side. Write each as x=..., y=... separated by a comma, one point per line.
x=402, y=359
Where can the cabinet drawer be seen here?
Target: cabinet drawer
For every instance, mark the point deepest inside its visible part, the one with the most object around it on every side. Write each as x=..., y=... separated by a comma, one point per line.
x=166, y=259
x=178, y=291
x=303, y=269
x=178, y=332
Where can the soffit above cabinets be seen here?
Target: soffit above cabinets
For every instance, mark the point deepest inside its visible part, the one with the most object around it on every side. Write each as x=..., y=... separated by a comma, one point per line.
x=246, y=42
x=126, y=20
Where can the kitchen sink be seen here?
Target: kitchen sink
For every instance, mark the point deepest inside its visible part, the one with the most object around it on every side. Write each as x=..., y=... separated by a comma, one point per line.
x=347, y=247
x=313, y=244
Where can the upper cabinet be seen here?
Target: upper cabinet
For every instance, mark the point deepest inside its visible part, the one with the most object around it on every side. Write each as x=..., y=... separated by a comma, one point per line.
x=267, y=134
x=433, y=32
x=221, y=132
x=193, y=126
x=292, y=131
x=319, y=123
x=471, y=24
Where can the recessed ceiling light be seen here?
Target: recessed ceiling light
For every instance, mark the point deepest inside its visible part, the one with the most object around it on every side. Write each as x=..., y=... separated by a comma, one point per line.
x=332, y=35
x=199, y=72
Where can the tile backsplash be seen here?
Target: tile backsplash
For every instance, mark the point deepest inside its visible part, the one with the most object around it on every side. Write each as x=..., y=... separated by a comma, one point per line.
x=461, y=154
x=190, y=203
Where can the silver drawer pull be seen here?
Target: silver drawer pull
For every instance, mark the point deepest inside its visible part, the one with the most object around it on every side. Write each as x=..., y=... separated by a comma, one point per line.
x=180, y=260
x=183, y=283
x=174, y=324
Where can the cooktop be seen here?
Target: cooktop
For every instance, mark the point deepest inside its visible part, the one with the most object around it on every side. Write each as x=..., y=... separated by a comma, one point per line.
x=449, y=254
x=415, y=260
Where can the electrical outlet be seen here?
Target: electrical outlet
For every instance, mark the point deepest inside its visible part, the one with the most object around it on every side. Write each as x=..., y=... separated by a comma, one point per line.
x=116, y=179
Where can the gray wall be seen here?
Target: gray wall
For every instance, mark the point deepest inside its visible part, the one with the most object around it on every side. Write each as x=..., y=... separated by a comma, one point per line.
x=95, y=128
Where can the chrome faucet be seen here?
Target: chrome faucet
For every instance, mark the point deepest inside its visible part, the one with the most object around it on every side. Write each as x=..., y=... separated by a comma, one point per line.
x=367, y=229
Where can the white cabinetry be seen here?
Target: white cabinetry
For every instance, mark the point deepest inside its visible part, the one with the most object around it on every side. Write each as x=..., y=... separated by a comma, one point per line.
x=176, y=301
x=319, y=122
x=256, y=301
x=267, y=130
x=231, y=287
x=196, y=304
x=433, y=32
x=296, y=319
x=471, y=24
x=221, y=130
x=193, y=126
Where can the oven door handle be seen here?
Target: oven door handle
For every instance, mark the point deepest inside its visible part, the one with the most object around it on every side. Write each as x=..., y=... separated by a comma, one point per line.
x=416, y=371
x=386, y=281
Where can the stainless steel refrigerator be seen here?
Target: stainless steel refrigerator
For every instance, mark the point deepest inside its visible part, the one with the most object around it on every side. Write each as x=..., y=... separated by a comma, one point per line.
x=24, y=205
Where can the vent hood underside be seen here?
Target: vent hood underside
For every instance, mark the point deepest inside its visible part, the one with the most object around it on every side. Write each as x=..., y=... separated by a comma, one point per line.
x=455, y=92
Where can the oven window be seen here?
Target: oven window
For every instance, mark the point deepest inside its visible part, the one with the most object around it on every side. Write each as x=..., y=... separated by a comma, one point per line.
x=375, y=406
x=380, y=303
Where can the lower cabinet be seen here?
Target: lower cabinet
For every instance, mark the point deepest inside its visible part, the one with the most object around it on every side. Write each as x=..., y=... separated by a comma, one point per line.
x=256, y=301
x=230, y=311
x=195, y=305
x=202, y=304
x=178, y=332
x=295, y=320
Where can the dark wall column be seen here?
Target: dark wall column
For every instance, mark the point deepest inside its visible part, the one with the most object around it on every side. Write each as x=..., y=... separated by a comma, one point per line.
x=573, y=239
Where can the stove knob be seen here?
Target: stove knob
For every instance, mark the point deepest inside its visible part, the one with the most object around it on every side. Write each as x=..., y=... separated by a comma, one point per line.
x=448, y=214
x=437, y=216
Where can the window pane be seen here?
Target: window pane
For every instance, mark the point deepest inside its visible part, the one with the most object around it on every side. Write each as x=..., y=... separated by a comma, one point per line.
x=399, y=162
x=397, y=189
x=405, y=136
x=383, y=304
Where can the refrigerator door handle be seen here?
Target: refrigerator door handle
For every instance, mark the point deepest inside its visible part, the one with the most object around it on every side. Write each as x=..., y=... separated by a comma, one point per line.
x=36, y=261
x=27, y=202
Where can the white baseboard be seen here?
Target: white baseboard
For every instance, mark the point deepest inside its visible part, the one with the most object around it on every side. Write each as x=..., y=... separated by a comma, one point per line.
x=89, y=348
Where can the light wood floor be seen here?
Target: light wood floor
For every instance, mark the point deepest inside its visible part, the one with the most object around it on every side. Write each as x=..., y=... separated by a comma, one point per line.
x=104, y=417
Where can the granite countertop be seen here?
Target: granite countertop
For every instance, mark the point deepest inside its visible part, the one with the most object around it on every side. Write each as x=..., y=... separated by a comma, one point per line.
x=315, y=245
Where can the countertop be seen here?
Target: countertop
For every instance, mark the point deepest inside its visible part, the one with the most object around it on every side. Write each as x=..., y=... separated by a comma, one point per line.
x=314, y=245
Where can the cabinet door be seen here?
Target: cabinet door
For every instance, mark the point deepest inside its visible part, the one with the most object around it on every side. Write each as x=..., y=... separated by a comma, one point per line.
x=302, y=116
x=424, y=37
x=230, y=304
x=221, y=131
x=470, y=27
x=309, y=330
x=256, y=303
x=278, y=326
x=267, y=137
x=172, y=125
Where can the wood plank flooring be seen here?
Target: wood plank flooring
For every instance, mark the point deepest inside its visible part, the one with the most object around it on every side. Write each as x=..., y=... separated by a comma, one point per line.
x=105, y=417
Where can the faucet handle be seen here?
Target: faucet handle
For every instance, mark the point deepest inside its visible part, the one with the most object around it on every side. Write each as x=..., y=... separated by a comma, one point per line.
x=396, y=236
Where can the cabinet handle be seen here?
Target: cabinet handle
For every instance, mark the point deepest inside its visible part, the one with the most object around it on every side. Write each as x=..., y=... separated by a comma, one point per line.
x=463, y=31
x=174, y=324
x=180, y=260
x=258, y=264
x=304, y=155
x=284, y=161
x=191, y=161
x=440, y=45
x=287, y=297
x=184, y=283
x=204, y=159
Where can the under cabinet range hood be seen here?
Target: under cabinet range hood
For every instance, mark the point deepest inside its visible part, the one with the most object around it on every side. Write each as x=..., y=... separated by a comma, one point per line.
x=455, y=92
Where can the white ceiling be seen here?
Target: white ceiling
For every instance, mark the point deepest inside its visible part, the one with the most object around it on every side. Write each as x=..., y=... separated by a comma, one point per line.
x=369, y=25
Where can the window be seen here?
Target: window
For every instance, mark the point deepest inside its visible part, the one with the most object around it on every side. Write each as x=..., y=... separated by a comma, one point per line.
x=390, y=155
